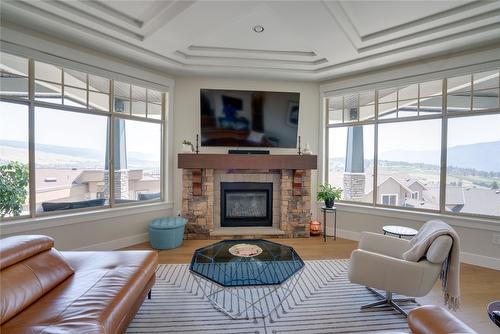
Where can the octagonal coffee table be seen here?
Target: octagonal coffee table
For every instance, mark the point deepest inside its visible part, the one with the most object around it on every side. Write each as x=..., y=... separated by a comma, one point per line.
x=246, y=278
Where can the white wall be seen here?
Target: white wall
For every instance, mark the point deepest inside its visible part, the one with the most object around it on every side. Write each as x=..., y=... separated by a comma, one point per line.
x=92, y=231
x=476, y=234
x=187, y=115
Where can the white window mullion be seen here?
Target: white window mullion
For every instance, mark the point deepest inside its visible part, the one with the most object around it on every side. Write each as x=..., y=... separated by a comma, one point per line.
x=375, y=151
x=444, y=149
x=111, y=145
x=31, y=137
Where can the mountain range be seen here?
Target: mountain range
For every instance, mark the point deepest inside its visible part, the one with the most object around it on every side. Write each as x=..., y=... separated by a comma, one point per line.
x=75, y=154
x=480, y=156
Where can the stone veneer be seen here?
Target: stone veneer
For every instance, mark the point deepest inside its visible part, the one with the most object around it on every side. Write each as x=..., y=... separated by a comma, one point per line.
x=294, y=211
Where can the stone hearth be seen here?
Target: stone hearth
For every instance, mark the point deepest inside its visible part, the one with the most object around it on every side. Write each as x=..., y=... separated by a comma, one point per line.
x=291, y=208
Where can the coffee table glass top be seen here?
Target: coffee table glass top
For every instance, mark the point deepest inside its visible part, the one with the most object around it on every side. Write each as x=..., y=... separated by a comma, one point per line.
x=232, y=263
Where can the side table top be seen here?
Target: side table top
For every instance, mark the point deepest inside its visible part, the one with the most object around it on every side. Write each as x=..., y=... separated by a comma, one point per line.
x=324, y=208
x=400, y=230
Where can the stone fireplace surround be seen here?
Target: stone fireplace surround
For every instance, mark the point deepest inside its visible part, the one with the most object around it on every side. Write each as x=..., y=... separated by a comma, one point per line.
x=291, y=195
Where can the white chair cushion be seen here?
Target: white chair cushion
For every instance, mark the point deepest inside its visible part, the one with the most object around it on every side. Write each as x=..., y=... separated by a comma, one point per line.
x=439, y=249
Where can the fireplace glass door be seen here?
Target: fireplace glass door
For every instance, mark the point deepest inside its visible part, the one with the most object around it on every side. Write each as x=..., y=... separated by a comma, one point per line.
x=246, y=204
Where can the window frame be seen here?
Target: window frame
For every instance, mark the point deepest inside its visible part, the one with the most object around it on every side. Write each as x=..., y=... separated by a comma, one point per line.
x=109, y=114
x=444, y=115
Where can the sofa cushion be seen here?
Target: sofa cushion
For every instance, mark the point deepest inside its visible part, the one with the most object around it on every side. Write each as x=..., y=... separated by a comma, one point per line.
x=24, y=282
x=430, y=319
x=20, y=247
x=100, y=295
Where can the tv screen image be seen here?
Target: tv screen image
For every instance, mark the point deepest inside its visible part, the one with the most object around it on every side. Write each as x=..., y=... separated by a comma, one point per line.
x=241, y=118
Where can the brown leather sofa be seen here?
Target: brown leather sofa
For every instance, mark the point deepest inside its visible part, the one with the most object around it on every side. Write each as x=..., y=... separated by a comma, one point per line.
x=431, y=319
x=47, y=291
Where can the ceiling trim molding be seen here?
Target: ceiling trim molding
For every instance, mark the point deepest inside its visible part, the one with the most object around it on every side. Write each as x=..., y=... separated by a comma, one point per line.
x=165, y=16
x=238, y=50
x=340, y=17
x=91, y=31
x=112, y=12
x=257, y=60
x=64, y=6
x=424, y=20
x=440, y=28
x=471, y=32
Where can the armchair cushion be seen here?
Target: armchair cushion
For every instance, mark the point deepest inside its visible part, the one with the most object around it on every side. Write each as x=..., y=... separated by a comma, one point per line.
x=383, y=244
x=438, y=251
x=392, y=274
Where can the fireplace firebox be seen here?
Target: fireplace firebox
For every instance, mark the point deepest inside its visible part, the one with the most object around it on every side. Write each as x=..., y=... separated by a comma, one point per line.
x=246, y=204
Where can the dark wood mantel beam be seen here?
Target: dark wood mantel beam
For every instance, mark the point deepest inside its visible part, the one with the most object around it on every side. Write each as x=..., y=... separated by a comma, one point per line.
x=247, y=161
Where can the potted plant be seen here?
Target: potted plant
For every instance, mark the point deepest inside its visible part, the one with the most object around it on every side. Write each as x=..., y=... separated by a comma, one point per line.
x=187, y=147
x=328, y=194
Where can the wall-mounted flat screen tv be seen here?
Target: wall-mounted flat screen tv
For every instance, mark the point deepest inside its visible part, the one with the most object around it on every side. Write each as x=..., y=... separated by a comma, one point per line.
x=241, y=118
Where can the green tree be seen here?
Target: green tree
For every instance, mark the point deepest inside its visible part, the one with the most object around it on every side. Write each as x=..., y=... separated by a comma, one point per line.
x=13, y=183
x=494, y=185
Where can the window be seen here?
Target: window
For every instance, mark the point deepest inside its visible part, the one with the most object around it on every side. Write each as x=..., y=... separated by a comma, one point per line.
x=351, y=108
x=350, y=164
x=409, y=160
x=473, y=171
x=14, y=160
x=391, y=199
x=397, y=149
x=72, y=170
x=137, y=165
x=75, y=119
x=409, y=101
x=474, y=92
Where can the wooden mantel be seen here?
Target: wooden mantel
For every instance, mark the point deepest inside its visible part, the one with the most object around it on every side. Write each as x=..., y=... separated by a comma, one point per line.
x=247, y=161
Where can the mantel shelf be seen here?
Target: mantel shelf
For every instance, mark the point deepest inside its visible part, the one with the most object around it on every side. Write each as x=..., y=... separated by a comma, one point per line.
x=247, y=161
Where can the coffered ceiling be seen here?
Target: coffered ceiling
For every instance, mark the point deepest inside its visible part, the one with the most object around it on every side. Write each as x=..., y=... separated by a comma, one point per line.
x=307, y=40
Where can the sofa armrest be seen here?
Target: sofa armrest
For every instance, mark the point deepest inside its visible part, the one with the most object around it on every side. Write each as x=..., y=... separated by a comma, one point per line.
x=383, y=244
x=388, y=273
x=435, y=319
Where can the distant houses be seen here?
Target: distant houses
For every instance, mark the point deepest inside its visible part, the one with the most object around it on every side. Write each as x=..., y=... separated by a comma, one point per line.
x=412, y=193
x=76, y=185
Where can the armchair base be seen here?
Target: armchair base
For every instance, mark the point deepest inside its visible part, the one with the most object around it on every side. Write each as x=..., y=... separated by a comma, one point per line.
x=388, y=300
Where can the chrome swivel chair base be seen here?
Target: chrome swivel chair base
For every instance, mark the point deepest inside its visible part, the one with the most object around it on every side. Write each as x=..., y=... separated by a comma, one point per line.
x=388, y=300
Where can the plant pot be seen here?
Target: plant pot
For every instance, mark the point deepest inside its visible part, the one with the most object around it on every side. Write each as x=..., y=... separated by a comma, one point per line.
x=329, y=203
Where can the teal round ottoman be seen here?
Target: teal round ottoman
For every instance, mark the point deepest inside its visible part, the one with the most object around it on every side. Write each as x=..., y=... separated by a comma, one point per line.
x=167, y=232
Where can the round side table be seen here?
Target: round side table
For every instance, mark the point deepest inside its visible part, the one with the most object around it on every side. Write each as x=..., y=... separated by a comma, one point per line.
x=400, y=231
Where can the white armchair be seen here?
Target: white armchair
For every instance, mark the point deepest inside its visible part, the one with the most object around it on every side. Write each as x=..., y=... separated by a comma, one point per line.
x=378, y=263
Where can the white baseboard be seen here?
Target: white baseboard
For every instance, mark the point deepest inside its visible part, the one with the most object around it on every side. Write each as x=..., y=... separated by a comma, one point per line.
x=480, y=260
x=466, y=257
x=117, y=243
x=346, y=234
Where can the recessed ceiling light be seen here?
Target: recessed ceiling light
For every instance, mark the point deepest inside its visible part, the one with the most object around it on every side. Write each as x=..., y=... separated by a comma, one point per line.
x=258, y=29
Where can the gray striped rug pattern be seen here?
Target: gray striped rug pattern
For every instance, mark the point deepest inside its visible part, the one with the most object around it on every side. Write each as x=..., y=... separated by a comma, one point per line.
x=324, y=301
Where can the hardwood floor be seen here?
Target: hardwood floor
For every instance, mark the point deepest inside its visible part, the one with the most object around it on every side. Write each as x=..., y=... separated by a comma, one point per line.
x=479, y=285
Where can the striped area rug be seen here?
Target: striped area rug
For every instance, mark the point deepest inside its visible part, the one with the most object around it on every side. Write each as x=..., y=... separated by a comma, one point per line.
x=324, y=301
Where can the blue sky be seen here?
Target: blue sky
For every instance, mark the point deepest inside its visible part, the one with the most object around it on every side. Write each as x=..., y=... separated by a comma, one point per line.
x=72, y=129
